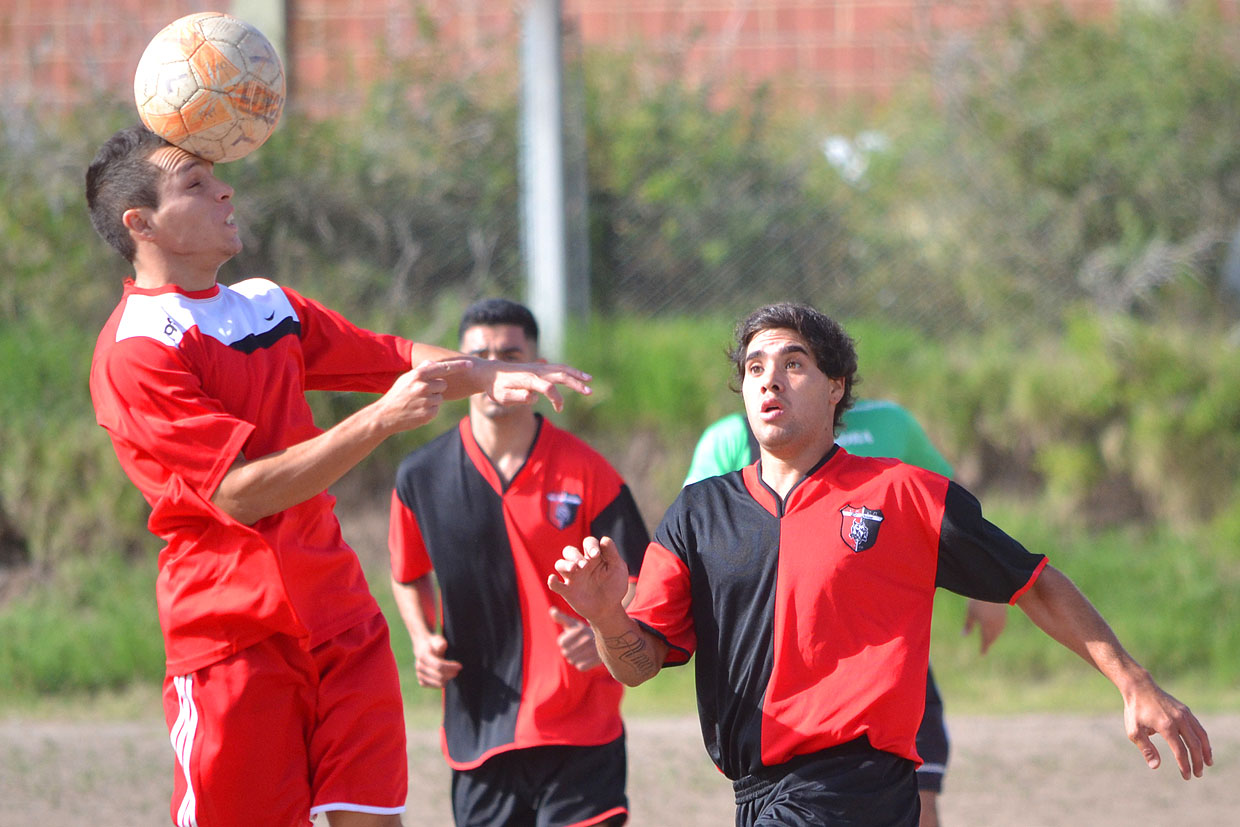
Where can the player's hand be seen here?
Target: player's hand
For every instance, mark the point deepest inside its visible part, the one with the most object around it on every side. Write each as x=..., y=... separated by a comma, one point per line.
x=989, y=618
x=1150, y=710
x=432, y=668
x=517, y=384
x=415, y=397
x=576, y=641
x=593, y=579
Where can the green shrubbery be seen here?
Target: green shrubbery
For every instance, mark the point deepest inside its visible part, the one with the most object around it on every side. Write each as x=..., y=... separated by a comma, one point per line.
x=1113, y=419
x=1034, y=266
x=378, y=215
x=1069, y=162
x=90, y=626
x=696, y=209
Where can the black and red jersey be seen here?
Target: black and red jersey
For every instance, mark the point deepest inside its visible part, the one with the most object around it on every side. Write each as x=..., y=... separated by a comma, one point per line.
x=491, y=548
x=810, y=617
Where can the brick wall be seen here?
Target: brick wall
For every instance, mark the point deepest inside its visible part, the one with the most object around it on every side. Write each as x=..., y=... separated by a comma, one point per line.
x=334, y=46
x=817, y=52
x=61, y=52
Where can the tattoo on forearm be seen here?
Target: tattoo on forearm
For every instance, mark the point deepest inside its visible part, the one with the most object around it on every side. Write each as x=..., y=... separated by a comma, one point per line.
x=631, y=649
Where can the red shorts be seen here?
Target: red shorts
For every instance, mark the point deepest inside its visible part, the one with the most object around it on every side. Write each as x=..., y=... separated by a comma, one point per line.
x=277, y=734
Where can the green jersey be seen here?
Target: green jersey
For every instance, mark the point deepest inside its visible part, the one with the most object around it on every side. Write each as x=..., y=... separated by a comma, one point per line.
x=872, y=428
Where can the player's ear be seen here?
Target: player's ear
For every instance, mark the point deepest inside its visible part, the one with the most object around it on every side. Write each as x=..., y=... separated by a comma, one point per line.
x=837, y=389
x=138, y=221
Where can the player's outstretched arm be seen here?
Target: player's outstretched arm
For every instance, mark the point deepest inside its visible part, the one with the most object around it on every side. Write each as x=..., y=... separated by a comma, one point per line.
x=1056, y=605
x=508, y=383
x=595, y=581
x=259, y=487
x=517, y=384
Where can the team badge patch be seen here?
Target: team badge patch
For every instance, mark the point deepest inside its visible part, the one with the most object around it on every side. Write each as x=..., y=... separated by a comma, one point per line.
x=859, y=526
x=562, y=509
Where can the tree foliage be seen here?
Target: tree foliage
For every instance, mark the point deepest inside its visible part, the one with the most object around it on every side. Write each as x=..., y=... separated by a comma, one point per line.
x=1073, y=160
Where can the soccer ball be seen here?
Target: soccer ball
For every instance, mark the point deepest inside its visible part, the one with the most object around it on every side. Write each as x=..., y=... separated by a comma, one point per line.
x=212, y=85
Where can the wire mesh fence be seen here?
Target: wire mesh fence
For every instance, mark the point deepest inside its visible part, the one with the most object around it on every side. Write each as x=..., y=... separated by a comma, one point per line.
x=1056, y=172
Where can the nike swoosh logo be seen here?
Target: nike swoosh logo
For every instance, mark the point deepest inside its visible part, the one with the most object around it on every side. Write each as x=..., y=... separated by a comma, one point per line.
x=270, y=316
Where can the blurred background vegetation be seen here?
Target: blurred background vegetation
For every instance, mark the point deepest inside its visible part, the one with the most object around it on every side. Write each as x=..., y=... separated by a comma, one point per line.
x=1035, y=254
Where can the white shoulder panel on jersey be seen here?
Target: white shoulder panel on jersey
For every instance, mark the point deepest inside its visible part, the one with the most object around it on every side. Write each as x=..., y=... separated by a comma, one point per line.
x=249, y=310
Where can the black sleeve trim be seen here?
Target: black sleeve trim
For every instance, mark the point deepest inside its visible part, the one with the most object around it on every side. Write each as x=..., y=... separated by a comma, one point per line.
x=671, y=647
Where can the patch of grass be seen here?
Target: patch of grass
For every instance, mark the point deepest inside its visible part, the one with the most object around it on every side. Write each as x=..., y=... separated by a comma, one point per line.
x=59, y=479
x=671, y=376
x=671, y=692
x=90, y=628
x=89, y=638
x=134, y=701
x=1167, y=597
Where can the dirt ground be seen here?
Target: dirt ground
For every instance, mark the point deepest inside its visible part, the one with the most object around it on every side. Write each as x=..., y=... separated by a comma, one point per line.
x=1019, y=771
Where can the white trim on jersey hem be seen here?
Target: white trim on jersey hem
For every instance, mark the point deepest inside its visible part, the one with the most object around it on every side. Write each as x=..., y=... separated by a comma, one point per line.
x=356, y=808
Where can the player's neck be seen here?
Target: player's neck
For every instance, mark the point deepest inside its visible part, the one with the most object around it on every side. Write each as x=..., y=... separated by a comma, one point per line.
x=783, y=469
x=152, y=271
x=505, y=439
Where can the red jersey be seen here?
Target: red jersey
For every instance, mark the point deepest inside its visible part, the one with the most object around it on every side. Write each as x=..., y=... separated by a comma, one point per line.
x=810, y=616
x=491, y=546
x=186, y=383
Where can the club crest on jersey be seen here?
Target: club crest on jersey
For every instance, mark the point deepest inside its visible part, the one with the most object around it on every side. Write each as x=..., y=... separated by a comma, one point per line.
x=562, y=509
x=859, y=526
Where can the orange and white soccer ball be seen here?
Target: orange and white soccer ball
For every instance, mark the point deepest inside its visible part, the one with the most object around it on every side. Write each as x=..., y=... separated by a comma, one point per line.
x=212, y=85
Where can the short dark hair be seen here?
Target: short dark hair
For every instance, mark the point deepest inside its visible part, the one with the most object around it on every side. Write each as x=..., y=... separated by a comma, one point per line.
x=499, y=311
x=121, y=178
x=832, y=348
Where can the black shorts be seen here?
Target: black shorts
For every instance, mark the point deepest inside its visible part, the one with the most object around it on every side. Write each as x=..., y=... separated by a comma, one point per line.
x=551, y=786
x=852, y=785
x=932, y=743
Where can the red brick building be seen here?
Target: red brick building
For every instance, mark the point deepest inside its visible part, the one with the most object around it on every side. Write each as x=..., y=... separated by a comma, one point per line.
x=61, y=52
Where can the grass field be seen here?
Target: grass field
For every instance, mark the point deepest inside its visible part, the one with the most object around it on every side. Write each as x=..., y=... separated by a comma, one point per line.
x=93, y=627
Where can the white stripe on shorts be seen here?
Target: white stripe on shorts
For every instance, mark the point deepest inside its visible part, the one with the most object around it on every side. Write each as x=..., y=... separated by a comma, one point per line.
x=182, y=737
